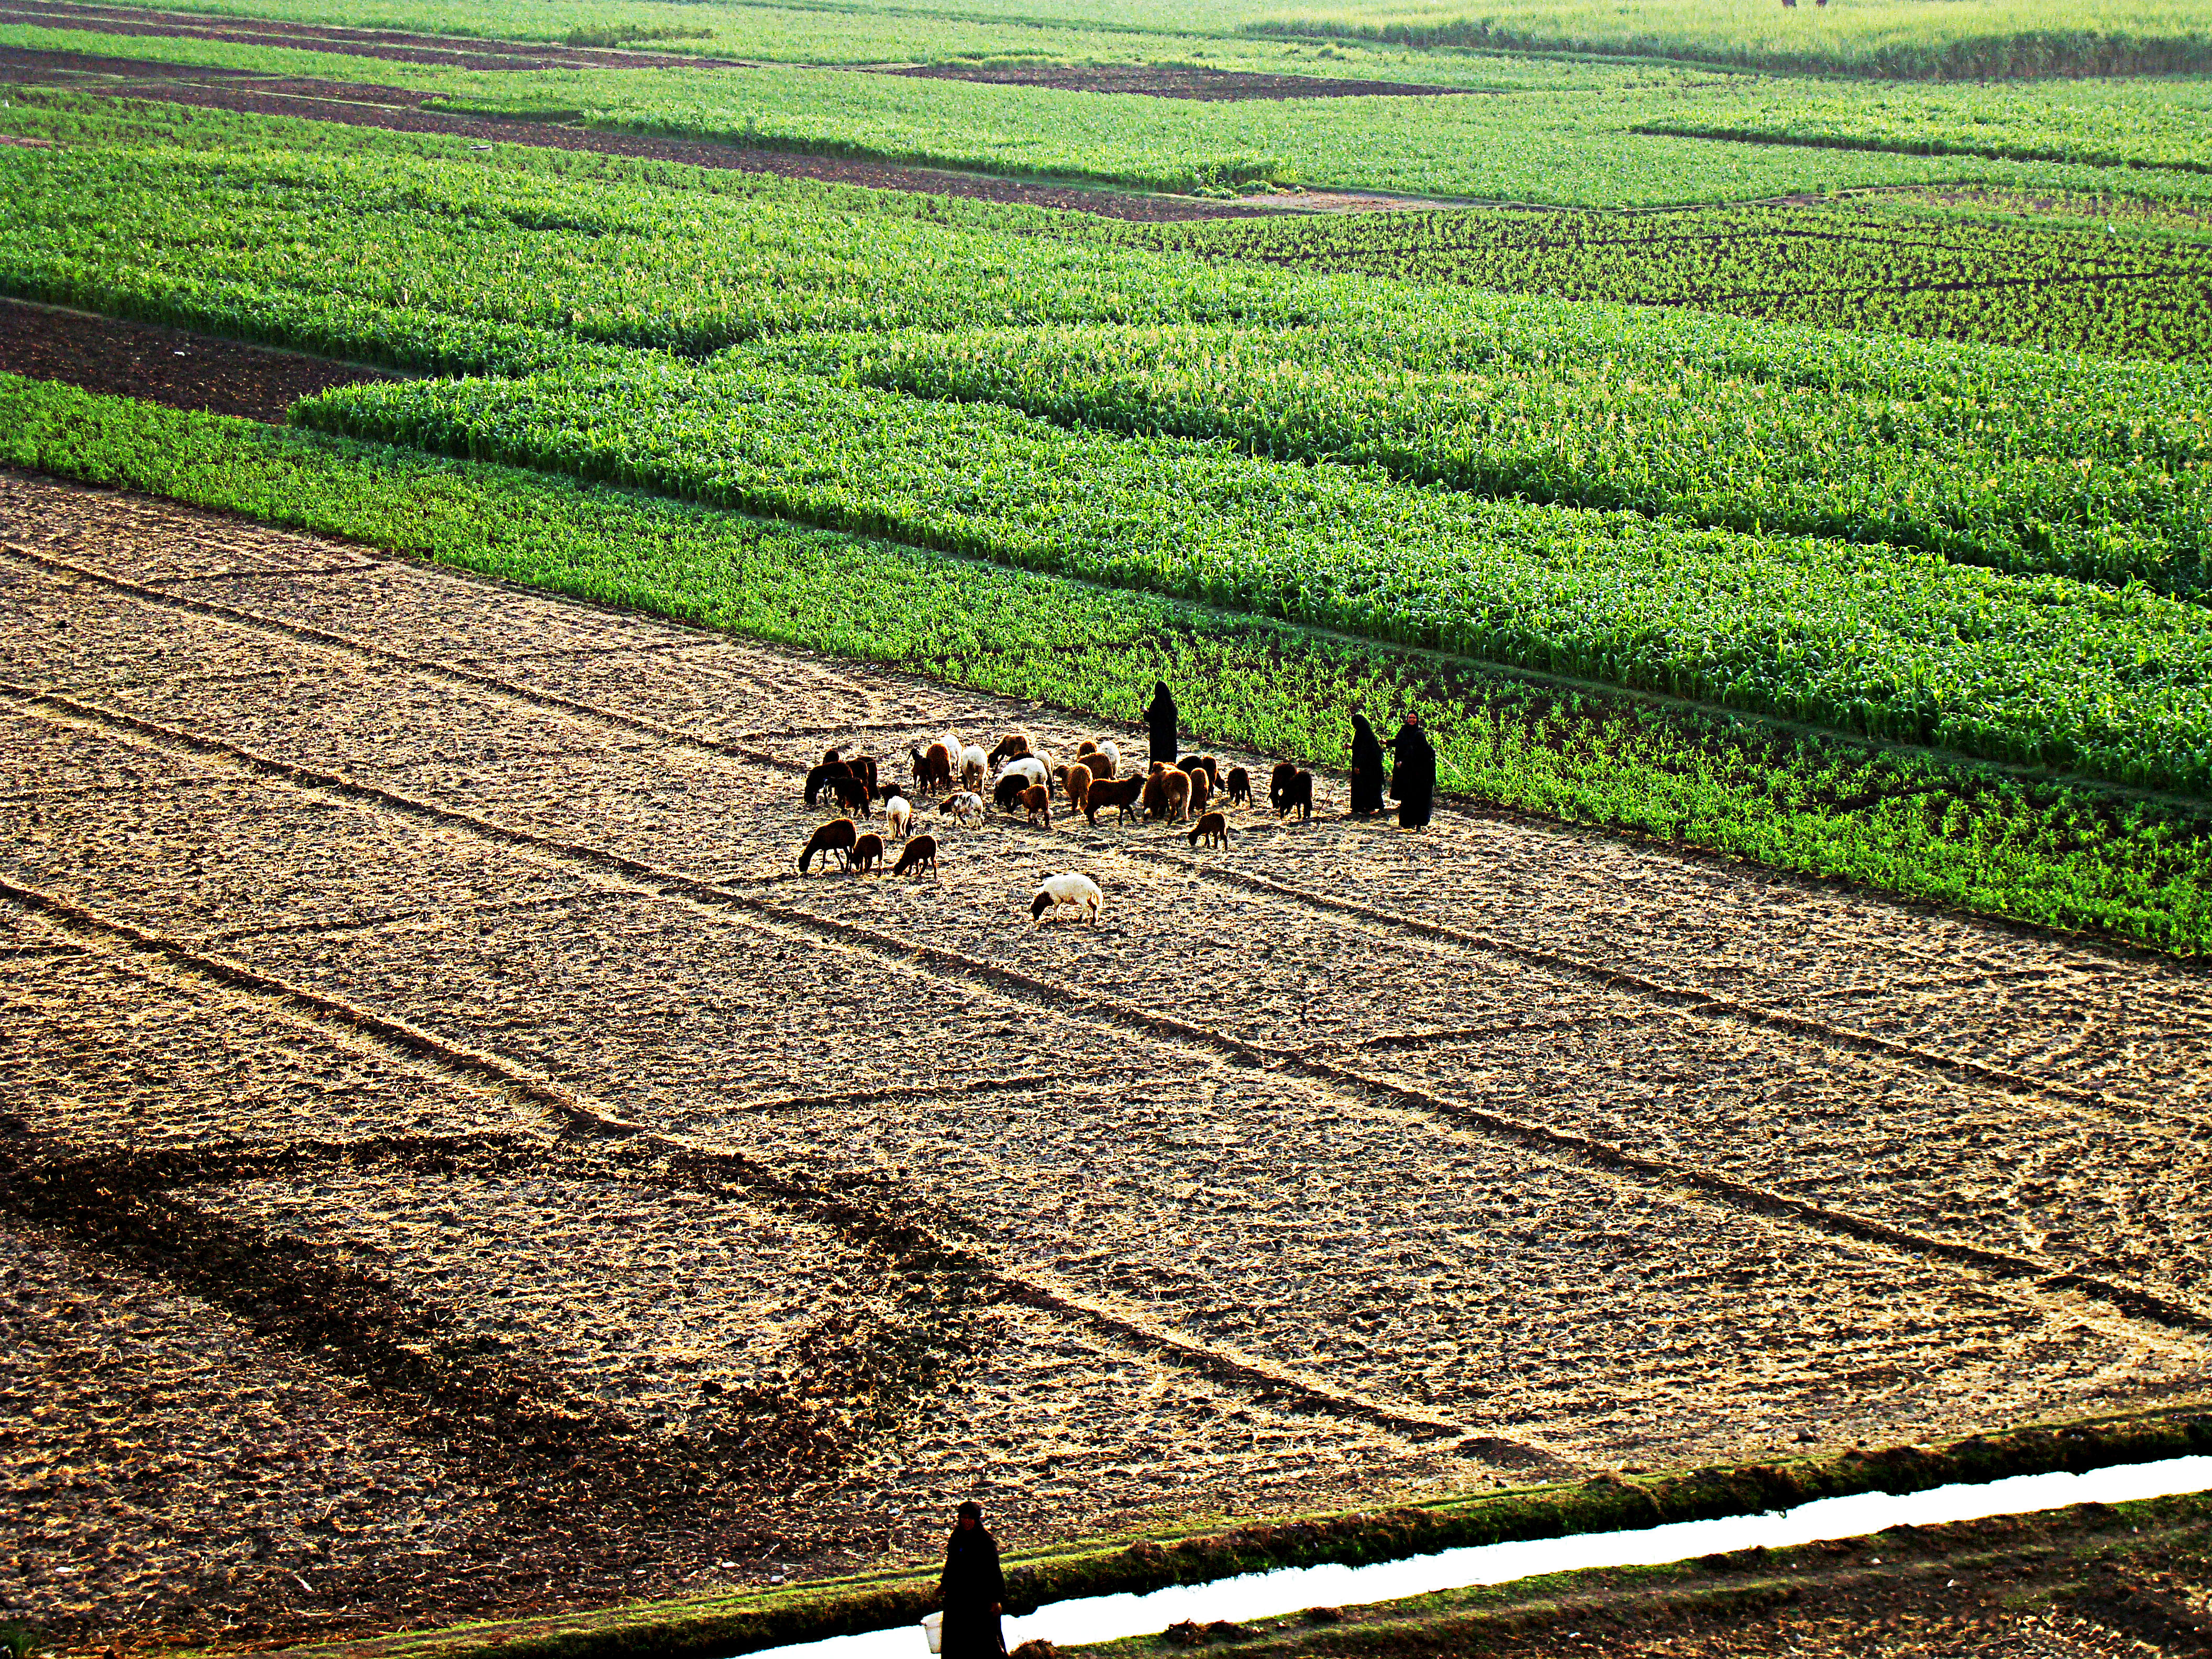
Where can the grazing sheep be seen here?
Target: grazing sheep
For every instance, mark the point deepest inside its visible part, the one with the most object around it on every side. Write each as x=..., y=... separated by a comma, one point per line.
x=1008, y=790
x=1028, y=766
x=898, y=818
x=819, y=778
x=1297, y=797
x=1239, y=785
x=973, y=767
x=852, y=795
x=1194, y=764
x=1012, y=746
x=1201, y=787
x=1074, y=782
x=1213, y=829
x=1279, y=781
x=1069, y=890
x=867, y=853
x=1087, y=746
x=966, y=809
x=1167, y=794
x=1123, y=792
x=864, y=767
x=835, y=836
x=920, y=854
x=932, y=770
x=1113, y=762
x=1034, y=800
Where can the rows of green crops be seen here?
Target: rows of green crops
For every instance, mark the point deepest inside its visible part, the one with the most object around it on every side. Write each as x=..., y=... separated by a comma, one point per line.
x=1911, y=824
x=2039, y=670
x=1862, y=263
x=457, y=263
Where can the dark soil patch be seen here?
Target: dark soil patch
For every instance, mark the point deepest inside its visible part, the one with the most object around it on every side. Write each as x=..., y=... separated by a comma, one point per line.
x=378, y=107
x=170, y=366
x=23, y=68
x=393, y=45
x=1155, y=80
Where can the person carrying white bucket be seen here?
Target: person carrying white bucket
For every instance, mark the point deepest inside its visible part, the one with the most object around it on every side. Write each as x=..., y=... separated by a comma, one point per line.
x=971, y=1593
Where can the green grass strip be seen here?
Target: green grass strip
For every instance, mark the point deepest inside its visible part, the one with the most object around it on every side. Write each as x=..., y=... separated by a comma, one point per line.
x=1908, y=823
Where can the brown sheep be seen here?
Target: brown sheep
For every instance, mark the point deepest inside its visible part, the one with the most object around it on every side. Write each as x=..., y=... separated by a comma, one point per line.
x=933, y=768
x=1034, y=800
x=1117, y=792
x=1087, y=746
x=1201, y=786
x=852, y=794
x=1239, y=785
x=1280, y=781
x=835, y=836
x=1297, y=797
x=1100, y=764
x=1075, y=780
x=1194, y=764
x=1213, y=828
x=867, y=853
x=819, y=779
x=1167, y=795
x=920, y=854
x=1012, y=746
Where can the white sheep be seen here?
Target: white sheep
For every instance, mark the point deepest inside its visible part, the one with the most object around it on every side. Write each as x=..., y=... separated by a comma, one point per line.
x=973, y=767
x=1028, y=765
x=898, y=818
x=1067, y=890
x=1113, y=757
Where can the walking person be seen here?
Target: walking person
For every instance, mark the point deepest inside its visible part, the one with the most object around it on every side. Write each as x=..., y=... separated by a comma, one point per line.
x=1366, y=768
x=1413, y=780
x=1161, y=720
x=972, y=1590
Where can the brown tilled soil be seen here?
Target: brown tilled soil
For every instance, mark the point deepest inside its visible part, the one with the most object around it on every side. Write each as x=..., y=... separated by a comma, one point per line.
x=394, y=111
x=452, y=1162
x=1167, y=80
x=172, y=366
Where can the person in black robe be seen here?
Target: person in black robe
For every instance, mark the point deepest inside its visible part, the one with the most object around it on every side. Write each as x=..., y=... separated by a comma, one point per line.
x=1161, y=718
x=1366, y=769
x=1413, y=780
x=972, y=1590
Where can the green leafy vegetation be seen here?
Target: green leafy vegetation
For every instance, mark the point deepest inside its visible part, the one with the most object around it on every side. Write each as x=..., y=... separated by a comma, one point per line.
x=1909, y=823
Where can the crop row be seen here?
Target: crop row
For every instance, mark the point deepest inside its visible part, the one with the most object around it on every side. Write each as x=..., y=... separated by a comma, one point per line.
x=2014, y=459
x=2039, y=670
x=1911, y=824
x=1855, y=266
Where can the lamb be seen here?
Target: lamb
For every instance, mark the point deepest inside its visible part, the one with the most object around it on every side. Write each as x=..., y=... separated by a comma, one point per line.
x=966, y=809
x=1279, y=781
x=898, y=818
x=1069, y=890
x=1213, y=828
x=1297, y=797
x=972, y=768
x=1012, y=746
x=1028, y=766
x=835, y=836
x=920, y=854
x=1034, y=800
x=1167, y=794
x=1123, y=792
x=932, y=770
x=1239, y=787
x=867, y=853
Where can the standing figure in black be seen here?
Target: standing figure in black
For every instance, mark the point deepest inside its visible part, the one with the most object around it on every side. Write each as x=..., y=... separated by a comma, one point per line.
x=1413, y=781
x=1160, y=718
x=972, y=1590
x=1366, y=769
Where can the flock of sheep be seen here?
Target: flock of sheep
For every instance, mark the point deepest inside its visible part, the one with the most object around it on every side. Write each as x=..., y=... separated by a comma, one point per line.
x=1024, y=780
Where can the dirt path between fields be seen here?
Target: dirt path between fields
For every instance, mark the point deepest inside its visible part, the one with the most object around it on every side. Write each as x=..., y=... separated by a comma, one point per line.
x=426, y=1068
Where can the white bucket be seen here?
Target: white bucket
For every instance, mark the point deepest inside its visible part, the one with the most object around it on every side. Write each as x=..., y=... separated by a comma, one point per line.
x=932, y=1632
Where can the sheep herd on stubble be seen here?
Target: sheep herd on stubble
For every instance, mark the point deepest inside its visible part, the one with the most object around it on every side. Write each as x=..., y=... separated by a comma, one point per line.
x=1025, y=782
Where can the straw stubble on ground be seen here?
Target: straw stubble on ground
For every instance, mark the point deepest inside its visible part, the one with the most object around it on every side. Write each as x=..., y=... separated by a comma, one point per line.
x=413, y=1003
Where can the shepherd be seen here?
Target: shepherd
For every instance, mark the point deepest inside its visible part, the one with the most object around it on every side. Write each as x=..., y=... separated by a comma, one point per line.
x=1413, y=780
x=972, y=1590
x=1366, y=769
x=1160, y=718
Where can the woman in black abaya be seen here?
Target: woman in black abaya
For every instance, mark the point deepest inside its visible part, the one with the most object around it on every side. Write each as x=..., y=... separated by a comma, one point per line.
x=1160, y=718
x=972, y=1590
x=1366, y=769
x=1413, y=781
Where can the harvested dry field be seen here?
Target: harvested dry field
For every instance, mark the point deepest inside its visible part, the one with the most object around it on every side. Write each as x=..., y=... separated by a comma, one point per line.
x=450, y=1160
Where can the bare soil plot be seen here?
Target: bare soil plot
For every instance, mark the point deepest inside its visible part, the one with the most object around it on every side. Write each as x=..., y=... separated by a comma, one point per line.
x=170, y=366
x=493, y=1063
x=1176, y=80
